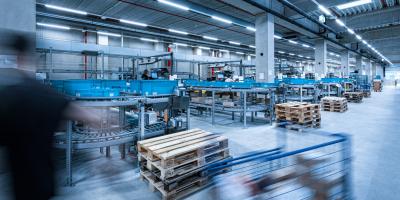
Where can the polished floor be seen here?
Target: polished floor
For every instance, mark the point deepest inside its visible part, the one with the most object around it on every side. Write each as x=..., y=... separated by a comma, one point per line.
x=374, y=126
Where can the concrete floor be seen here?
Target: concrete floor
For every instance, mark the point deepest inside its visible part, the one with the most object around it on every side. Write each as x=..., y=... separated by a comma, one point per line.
x=373, y=124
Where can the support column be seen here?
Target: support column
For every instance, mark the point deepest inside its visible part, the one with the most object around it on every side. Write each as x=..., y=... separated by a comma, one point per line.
x=320, y=58
x=265, y=47
x=358, y=64
x=373, y=70
x=368, y=69
x=345, y=64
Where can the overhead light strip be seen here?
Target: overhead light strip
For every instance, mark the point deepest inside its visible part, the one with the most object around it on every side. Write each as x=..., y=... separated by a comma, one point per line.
x=54, y=26
x=132, y=22
x=148, y=40
x=179, y=32
x=221, y=19
x=353, y=4
x=174, y=5
x=65, y=9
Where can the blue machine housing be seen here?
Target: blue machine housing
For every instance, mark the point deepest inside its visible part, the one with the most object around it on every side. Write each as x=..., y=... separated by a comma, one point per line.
x=112, y=88
x=298, y=81
x=238, y=85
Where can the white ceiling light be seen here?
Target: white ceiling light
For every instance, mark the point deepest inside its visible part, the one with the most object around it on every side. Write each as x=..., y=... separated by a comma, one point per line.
x=339, y=22
x=148, y=40
x=252, y=46
x=54, y=26
x=132, y=22
x=180, y=44
x=359, y=37
x=353, y=4
x=300, y=56
x=235, y=43
x=65, y=9
x=174, y=5
x=350, y=30
x=308, y=57
x=179, y=32
x=250, y=28
x=324, y=10
x=200, y=47
x=108, y=34
x=282, y=52
x=293, y=42
x=363, y=41
x=210, y=38
x=277, y=37
x=292, y=54
x=330, y=53
x=241, y=53
x=369, y=45
x=222, y=19
x=306, y=45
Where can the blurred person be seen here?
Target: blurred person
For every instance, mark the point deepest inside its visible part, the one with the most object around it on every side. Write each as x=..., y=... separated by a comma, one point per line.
x=395, y=83
x=30, y=113
x=145, y=75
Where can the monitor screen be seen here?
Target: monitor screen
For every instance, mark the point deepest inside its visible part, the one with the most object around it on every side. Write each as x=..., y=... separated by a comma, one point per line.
x=154, y=75
x=220, y=76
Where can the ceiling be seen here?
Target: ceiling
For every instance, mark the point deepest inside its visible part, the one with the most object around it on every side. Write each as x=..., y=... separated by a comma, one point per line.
x=162, y=16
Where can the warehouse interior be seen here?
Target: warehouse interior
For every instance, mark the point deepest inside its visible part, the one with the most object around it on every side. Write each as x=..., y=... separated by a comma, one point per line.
x=200, y=99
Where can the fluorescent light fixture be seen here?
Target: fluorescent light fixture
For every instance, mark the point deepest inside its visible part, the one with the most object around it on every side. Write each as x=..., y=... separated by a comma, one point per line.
x=350, y=30
x=292, y=54
x=363, y=41
x=210, y=38
x=277, y=37
x=282, y=52
x=293, y=42
x=324, y=10
x=148, y=40
x=337, y=55
x=180, y=44
x=222, y=19
x=308, y=57
x=330, y=53
x=108, y=34
x=174, y=5
x=339, y=22
x=300, y=56
x=353, y=4
x=132, y=22
x=252, y=46
x=179, y=32
x=369, y=45
x=54, y=26
x=200, y=47
x=241, y=53
x=235, y=43
x=66, y=9
x=250, y=28
x=306, y=45
x=359, y=37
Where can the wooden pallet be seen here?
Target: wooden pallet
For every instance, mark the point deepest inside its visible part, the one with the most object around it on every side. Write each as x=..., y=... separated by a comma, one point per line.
x=176, y=148
x=181, y=188
x=184, y=167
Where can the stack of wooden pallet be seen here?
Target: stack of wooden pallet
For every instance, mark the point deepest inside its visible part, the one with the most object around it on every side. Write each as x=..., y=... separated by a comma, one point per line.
x=172, y=164
x=377, y=85
x=354, y=96
x=303, y=114
x=334, y=104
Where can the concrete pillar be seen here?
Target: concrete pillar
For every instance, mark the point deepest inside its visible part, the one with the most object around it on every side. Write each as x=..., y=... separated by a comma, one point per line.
x=345, y=64
x=373, y=70
x=265, y=47
x=320, y=58
x=368, y=69
x=358, y=63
